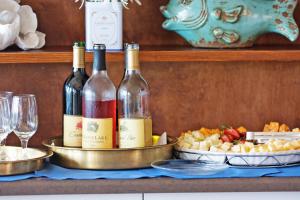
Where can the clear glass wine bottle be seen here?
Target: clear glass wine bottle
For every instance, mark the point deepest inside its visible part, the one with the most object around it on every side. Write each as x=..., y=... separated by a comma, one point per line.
x=135, y=123
x=99, y=106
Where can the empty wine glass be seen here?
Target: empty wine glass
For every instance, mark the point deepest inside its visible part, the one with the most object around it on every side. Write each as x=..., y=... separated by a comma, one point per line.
x=9, y=96
x=24, y=117
x=5, y=122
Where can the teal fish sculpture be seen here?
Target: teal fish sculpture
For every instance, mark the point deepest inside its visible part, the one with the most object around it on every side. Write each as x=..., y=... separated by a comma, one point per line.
x=229, y=23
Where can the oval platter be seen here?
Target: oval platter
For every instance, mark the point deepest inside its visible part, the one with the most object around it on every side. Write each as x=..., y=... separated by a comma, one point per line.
x=108, y=159
x=14, y=165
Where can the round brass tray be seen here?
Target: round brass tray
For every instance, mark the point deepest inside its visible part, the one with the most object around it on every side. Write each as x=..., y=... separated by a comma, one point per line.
x=35, y=160
x=106, y=159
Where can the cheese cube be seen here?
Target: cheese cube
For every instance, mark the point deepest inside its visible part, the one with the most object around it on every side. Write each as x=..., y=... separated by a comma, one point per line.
x=236, y=148
x=198, y=136
x=226, y=146
x=204, y=146
x=189, y=138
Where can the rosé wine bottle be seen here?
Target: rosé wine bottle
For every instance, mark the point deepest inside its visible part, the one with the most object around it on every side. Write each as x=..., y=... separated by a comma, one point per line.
x=99, y=106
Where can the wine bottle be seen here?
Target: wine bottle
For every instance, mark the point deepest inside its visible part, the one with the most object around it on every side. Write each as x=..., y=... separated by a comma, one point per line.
x=99, y=106
x=135, y=123
x=72, y=98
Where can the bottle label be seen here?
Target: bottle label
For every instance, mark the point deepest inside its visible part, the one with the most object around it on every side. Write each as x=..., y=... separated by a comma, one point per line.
x=97, y=133
x=104, y=24
x=104, y=27
x=72, y=131
x=135, y=133
x=148, y=132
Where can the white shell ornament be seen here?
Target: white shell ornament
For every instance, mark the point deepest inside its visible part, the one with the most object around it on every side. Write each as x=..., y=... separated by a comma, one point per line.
x=28, y=20
x=9, y=28
x=42, y=40
x=9, y=5
x=28, y=41
x=18, y=25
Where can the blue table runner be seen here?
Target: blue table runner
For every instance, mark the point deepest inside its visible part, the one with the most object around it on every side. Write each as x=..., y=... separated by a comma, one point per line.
x=59, y=173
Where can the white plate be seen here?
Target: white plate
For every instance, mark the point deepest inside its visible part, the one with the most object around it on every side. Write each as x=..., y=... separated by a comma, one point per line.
x=242, y=159
x=190, y=167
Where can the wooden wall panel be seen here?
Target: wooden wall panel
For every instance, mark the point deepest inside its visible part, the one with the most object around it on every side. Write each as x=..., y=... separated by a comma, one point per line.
x=184, y=95
x=64, y=23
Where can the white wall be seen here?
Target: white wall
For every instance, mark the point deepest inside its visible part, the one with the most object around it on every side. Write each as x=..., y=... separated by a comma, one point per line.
x=173, y=196
x=77, y=197
x=226, y=196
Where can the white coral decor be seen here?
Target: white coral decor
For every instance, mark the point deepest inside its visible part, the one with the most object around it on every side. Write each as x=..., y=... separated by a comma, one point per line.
x=18, y=25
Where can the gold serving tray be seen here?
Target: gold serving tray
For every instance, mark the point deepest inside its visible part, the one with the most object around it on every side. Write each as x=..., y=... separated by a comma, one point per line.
x=35, y=160
x=108, y=159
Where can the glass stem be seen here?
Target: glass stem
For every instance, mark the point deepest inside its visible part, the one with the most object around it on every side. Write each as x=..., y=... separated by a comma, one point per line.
x=2, y=152
x=24, y=143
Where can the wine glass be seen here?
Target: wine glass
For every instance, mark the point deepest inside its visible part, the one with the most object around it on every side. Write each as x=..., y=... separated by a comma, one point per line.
x=5, y=122
x=24, y=117
x=8, y=95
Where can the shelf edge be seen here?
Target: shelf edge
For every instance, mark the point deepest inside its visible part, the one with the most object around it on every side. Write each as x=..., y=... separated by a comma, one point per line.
x=159, y=56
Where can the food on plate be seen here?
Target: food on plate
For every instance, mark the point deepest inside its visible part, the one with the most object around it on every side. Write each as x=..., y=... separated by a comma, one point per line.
x=296, y=130
x=213, y=143
x=271, y=146
x=276, y=127
x=284, y=128
x=200, y=140
x=233, y=133
x=231, y=140
x=272, y=127
x=206, y=139
x=207, y=132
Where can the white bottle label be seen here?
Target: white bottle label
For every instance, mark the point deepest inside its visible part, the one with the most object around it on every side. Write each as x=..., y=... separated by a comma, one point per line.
x=72, y=131
x=135, y=133
x=97, y=133
x=104, y=24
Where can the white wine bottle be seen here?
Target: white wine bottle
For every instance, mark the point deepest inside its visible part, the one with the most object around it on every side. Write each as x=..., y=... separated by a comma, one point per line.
x=135, y=122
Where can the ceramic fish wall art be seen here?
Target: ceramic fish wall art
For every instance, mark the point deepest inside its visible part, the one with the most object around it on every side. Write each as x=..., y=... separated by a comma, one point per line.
x=229, y=23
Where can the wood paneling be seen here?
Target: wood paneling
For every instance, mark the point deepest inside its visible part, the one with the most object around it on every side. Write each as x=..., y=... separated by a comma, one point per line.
x=160, y=54
x=184, y=95
x=64, y=23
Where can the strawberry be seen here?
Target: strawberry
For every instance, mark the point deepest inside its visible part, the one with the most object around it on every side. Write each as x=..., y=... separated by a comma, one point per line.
x=231, y=138
x=243, y=135
x=227, y=138
x=233, y=133
x=242, y=141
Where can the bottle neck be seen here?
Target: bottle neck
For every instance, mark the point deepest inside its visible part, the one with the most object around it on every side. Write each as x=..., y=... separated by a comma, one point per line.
x=78, y=58
x=132, y=72
x=82, y=70
x=132, y=60
x=99, y=64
